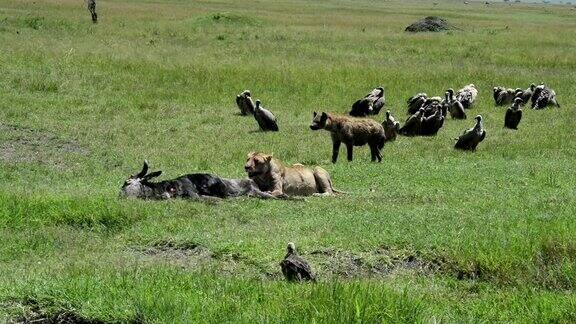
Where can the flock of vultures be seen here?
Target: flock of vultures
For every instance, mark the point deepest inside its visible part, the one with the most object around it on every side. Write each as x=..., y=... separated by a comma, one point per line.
x=269, y=178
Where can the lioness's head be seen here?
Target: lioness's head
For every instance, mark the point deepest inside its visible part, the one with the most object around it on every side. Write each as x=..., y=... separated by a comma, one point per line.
x=318, y=121
x=257, y=164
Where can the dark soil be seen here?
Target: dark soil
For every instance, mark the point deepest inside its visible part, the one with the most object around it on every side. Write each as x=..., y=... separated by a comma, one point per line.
x=430, y=24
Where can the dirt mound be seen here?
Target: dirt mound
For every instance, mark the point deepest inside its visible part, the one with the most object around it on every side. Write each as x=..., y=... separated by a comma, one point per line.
x=430, y=24
x=380, y=263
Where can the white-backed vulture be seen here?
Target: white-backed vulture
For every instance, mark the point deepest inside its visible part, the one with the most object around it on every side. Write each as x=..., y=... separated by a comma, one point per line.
x=471, y=137
x=467, y=95
x=266, y=120
x=294, y=267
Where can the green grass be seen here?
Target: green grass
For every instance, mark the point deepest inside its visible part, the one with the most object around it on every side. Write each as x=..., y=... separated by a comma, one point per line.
x=429, y=234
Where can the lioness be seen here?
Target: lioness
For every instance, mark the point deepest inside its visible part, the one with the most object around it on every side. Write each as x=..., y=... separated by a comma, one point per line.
x=270, y=175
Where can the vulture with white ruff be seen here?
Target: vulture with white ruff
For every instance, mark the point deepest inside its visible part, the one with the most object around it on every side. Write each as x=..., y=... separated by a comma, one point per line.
x=471, y=137
x=295, y=268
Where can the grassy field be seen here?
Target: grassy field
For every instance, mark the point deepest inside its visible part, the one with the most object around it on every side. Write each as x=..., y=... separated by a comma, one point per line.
x=430, y=234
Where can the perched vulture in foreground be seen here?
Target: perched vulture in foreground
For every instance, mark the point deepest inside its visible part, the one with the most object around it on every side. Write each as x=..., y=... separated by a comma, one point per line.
x=467, y=95
x=391, y=127
x=412, y=125
x=513, y=115
x=266, y=120
x=416, y=102
x=245, y=103
x=295, y=268
x=470, y=138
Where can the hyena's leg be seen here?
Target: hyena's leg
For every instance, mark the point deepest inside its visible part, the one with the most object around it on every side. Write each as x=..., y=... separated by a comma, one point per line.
x=335, y=150
x=349, y=148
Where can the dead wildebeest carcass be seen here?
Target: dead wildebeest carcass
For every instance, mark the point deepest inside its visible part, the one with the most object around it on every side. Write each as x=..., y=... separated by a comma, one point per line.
x=191, y=186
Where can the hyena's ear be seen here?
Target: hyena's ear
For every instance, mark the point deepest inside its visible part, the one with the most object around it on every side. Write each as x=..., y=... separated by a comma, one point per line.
x=315, y=113
x=324, y=116
x=251, y=154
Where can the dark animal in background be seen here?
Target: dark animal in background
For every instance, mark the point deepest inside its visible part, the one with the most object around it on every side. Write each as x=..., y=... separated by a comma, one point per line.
x=503, y=96
x=416, y=102
x=371, y=104
x=391, y=127
x=513, y=115
x=92, y=8
x=201, y=186
x=525, y=95
x=266, y=120
x=453, y=106
x=467, y=96
x=470, y=139
x=245, y=103
x=294, y=267
x=413, y=123
x=544, y=97
x=432, y=124
x=352, y=132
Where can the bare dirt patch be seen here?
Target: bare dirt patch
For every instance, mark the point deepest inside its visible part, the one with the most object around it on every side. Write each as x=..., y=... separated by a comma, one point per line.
x=20, y=144
x=380, y=263
x=193, y=256
x=328, y=263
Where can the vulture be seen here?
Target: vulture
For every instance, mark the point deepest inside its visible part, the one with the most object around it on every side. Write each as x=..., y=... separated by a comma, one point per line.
x=513, y=115
x=432, y=124
x=378, y=99
x=391, y=127
x=470, y=138
x=503, y=96
x=266, y=120
x=416, y=102
x=431, y=105
x=525, y=95
x=454, y=106
x=245, y=103
x=467, y=96
x=294, y=267
x=371, y=104
x=544, y=97
x=412, y=125
x=362, y=108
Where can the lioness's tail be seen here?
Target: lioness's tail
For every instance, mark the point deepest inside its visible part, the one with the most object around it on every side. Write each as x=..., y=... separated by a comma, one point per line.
x=340, y=192
x=336, y=191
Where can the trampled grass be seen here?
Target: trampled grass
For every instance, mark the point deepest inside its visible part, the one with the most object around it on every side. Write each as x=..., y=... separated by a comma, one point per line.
x=429, y=234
